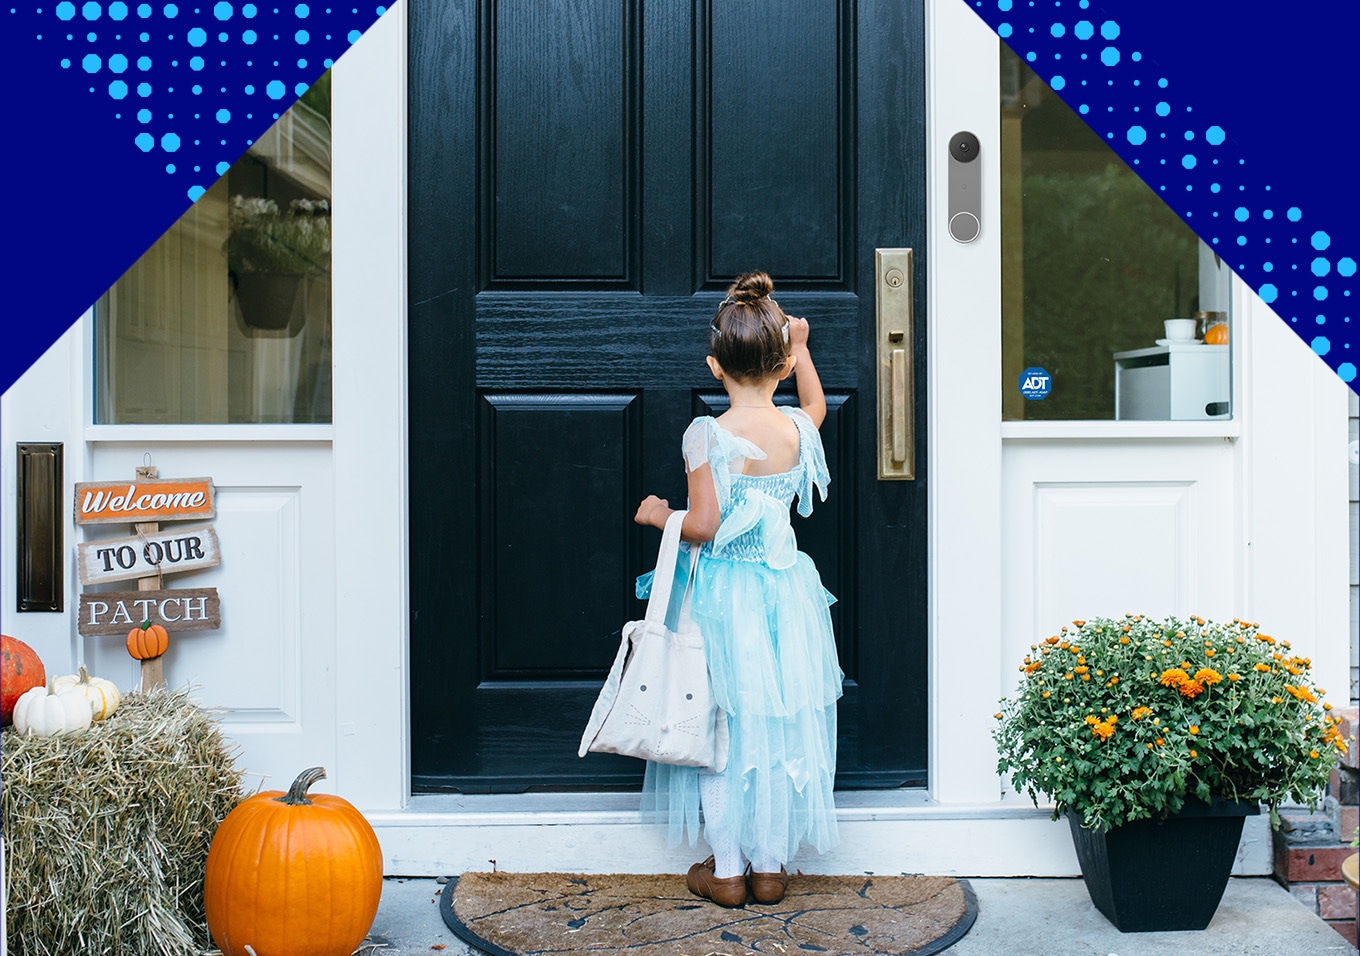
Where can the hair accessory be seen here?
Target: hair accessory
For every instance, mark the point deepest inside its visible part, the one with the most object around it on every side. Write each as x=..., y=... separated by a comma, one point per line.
x=785, y=330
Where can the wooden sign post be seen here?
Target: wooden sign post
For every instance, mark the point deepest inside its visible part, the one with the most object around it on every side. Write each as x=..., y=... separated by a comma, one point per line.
x=147, y=556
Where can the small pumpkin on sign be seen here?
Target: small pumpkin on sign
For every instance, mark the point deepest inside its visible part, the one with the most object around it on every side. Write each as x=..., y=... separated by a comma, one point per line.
x=315, y=849
x=148, y=641
x=103, y=695
x=43, y=713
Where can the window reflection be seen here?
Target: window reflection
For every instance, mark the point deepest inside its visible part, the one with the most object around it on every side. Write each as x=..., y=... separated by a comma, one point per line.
x=227, y=318
x=1093, y=264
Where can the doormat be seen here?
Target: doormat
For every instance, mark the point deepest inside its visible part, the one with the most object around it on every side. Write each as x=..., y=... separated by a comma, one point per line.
x=527, y=914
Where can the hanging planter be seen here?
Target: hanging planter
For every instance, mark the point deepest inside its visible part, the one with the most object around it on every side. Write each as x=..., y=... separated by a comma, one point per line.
x=1159, y=875
x=267, y=299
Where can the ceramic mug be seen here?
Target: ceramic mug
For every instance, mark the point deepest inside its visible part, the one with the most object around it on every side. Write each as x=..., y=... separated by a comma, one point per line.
x=1180, y=330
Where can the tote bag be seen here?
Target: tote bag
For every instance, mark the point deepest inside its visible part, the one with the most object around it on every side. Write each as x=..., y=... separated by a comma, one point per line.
x=656, y=703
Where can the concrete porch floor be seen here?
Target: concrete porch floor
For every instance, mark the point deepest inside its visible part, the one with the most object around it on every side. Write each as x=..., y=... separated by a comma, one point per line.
x=1020, y=917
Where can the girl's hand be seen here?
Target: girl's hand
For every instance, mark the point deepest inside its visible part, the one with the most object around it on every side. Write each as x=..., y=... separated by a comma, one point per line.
x=798, y=333
x=653, y=511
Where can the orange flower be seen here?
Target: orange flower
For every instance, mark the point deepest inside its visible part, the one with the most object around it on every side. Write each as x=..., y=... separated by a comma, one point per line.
x=1051, y=640
x=1194, y=729
x=997, y=716
x=1112, y=681
x=1208, y=675
x=1234, y=677
x=1277, y=700
x=1047, y=693
x=1140, y=712
x=1191, y=689
x=1082, y=669
x=1301, y=693
x=1210, y=652
x=1263, y=668
x=1103, y=729
x=1174, y=677
x=1160, y=741
x=1127, y=629
x=1085, y=676
x=1123, y=640
x=1194, y=753
x=1079, y=623
x=1314, y=754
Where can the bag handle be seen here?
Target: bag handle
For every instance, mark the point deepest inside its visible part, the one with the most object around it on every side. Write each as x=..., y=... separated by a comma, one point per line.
x=663, y=578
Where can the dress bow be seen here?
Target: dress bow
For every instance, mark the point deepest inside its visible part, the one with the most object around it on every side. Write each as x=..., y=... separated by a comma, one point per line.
x=761, y=511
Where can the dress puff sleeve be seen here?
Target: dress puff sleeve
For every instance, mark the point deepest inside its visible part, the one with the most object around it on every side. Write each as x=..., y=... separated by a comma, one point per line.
x=708, y=443
x=811, y=459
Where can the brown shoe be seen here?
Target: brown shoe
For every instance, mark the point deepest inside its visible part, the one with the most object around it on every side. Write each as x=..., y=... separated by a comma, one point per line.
x=729, y=891
x=769, y=887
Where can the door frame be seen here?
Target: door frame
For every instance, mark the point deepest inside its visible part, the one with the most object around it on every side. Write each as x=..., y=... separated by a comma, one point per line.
x=369, y=128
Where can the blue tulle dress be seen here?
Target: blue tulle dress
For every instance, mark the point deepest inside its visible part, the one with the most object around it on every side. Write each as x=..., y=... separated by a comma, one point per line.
x=761, y=608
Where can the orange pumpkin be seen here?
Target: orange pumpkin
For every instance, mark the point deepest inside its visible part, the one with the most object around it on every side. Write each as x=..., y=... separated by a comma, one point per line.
x=148, y=641
x=20, y=670
x=290, y=874
x=1216, y=334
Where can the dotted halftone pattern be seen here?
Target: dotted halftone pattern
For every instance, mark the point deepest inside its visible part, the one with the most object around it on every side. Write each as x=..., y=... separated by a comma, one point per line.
x=1279, y=240
x=191, y=85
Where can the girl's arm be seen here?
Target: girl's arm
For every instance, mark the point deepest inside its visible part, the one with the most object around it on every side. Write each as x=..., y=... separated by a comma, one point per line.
x=702, y=520
x=811, y=398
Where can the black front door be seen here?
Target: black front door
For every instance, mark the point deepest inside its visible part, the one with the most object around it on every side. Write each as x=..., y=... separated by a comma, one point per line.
x=586, y=177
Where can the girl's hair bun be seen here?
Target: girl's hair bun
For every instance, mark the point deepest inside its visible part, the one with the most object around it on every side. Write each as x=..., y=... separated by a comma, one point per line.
x=750, y=333
x=750, y=287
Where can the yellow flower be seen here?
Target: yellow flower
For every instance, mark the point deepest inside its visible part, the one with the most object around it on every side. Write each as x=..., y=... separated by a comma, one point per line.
x=1277, y=700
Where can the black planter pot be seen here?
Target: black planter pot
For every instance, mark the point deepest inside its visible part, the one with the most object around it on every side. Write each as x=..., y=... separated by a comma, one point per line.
x=266, y=298
x=1162, y=875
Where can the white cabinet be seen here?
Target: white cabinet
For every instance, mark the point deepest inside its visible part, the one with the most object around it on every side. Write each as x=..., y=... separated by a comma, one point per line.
x=1177, y=382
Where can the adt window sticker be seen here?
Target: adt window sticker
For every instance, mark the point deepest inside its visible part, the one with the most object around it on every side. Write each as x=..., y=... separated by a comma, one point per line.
x=1035, y=383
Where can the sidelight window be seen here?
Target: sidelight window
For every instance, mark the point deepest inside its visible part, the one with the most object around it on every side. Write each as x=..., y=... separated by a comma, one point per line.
x=1094, y=264
x=227, y=317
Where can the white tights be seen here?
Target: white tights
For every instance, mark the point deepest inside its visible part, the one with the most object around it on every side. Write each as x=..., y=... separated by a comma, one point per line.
x=728, y=860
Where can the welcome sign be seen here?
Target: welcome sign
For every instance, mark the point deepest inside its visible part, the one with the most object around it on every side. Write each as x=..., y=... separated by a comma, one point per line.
x=123, y=502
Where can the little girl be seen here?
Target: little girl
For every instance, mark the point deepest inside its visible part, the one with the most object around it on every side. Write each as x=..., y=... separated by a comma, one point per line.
x=761, y=608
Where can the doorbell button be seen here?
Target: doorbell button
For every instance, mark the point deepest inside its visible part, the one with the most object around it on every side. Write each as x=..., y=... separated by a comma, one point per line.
x=964, y=226
x=965, y=187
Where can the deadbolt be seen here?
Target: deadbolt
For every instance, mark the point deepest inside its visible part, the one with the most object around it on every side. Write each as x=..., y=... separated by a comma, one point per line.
x=894, y=278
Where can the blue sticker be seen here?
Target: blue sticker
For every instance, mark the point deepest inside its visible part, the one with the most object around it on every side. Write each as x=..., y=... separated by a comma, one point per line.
x=1035, y=383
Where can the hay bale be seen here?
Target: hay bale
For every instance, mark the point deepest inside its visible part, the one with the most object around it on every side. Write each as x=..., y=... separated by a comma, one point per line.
x=107, y=830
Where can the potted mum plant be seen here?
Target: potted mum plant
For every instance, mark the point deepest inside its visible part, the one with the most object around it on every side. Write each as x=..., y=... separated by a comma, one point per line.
x=1156, y=739
x=270, y=251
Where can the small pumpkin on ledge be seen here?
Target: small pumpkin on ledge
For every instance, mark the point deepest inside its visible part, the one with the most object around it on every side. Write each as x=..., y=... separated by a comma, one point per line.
x=44, y=712
x=103, y=695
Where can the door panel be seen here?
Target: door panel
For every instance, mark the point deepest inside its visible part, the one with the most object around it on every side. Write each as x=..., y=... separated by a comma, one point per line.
x=585, y=181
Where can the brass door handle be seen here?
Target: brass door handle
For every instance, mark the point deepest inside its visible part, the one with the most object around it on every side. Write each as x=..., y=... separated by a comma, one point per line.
x=896, y=405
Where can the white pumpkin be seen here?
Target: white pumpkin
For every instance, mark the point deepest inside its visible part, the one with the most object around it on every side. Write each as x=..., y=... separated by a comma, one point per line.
x=102, y=694
x=42, y=712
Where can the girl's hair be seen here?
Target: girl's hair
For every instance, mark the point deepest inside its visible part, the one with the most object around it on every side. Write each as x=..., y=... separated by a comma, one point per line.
x=750, y=333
